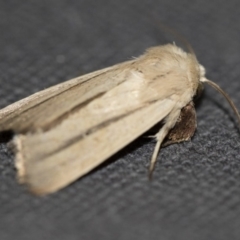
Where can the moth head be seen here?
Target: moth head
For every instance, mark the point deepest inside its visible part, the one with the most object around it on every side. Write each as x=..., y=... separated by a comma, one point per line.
x=199, y=90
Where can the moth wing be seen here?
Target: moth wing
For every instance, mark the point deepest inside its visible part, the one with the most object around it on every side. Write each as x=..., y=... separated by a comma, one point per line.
x=34, y=111
x=46, y=172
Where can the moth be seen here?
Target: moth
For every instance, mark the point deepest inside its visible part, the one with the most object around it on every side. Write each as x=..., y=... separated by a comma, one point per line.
x=63, y=132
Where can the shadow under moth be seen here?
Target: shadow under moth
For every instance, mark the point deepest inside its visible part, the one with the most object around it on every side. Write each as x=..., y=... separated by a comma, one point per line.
x=63, y=132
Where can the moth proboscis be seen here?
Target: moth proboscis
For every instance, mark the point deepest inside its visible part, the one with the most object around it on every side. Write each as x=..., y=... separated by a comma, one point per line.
x=63, y=132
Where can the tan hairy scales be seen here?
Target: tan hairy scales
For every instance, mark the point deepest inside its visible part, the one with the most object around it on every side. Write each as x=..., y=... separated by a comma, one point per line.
x=65, y=131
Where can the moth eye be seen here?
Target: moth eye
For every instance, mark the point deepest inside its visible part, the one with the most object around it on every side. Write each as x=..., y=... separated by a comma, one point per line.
x=199, y=90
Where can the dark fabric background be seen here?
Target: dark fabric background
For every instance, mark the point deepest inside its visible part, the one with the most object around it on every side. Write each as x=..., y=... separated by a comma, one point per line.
x=195, y=192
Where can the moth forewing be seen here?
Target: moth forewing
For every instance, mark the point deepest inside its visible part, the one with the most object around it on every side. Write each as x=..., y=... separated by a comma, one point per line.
x=47, y=169
x=64, y=132
x=45, y=106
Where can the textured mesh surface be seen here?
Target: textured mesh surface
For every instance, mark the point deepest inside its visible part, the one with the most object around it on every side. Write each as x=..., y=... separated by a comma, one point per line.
x=195, y=192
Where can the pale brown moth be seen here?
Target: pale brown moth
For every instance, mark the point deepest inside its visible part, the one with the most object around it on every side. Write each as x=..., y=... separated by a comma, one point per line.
x=63, y=132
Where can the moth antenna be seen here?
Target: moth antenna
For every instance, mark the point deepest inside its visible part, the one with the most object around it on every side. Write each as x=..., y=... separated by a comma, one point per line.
x=214, y=85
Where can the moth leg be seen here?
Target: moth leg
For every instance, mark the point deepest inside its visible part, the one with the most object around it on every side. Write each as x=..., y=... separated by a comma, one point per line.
x=170, y=121
x=183, y=130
